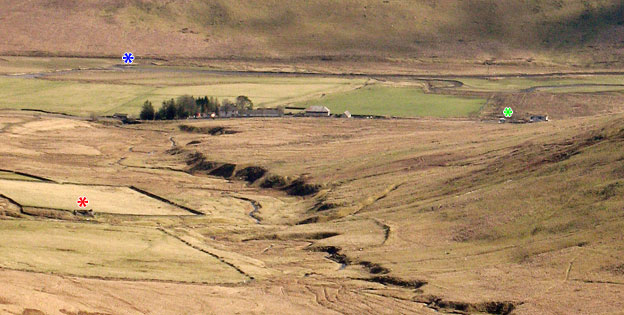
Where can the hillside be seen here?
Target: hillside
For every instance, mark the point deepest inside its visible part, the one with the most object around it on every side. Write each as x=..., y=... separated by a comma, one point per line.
x=562, y=31
x=481, y=170
x=415, y=216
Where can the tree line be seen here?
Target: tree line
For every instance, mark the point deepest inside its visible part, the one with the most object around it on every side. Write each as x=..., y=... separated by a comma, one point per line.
x=186, y=106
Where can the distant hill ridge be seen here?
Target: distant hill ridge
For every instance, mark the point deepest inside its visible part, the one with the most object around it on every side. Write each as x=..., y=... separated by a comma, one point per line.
x=322, y=29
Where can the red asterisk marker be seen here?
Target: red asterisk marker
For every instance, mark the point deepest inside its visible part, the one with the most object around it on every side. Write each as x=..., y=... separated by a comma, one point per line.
x=82, y=202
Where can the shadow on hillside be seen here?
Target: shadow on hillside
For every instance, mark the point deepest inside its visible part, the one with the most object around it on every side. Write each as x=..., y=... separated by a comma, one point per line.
x=582, y=28
x=483, y=21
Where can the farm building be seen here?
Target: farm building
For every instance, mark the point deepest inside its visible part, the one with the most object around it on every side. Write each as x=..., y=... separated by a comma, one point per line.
x=346, y=114
x=262, y=112
x=228, y=111
x=317, y=111
x=120, y=116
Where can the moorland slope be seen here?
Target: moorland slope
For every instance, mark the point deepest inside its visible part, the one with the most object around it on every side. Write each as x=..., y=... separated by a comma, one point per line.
x=562, y=31
x=415, y=215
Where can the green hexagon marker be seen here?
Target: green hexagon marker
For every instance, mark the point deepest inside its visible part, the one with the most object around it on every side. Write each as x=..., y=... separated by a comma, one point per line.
x=508, y=112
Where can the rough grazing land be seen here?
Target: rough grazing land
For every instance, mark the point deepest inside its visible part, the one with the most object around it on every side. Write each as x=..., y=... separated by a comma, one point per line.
x=533, y=32
x=415, y=216
x=100, y=251
x=105, y=199
x=443, y=211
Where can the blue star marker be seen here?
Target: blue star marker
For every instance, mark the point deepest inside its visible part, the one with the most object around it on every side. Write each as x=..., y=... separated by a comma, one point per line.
x=128, y=58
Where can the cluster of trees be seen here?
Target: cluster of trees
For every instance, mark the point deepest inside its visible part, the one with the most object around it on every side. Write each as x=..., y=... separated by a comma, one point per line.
x=186, y=106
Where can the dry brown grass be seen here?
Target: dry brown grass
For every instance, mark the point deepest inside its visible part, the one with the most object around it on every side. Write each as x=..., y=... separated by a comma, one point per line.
x=557, y=106
x=424, y=30
x=482, y=212
x=102, y=199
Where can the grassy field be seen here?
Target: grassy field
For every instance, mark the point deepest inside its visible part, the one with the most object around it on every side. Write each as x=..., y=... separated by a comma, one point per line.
x=105, y=93
x=107, y=251
x=71, y=98
x=85, y=98
x=398, y=101
x=118, y=200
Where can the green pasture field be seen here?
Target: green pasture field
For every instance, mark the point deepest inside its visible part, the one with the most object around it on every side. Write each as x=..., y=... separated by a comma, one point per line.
x=69, y=97
x=107, y=251
x=108, y=97
x=398, y=101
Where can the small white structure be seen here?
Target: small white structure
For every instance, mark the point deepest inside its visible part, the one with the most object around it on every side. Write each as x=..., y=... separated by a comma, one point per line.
x=346, y=114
